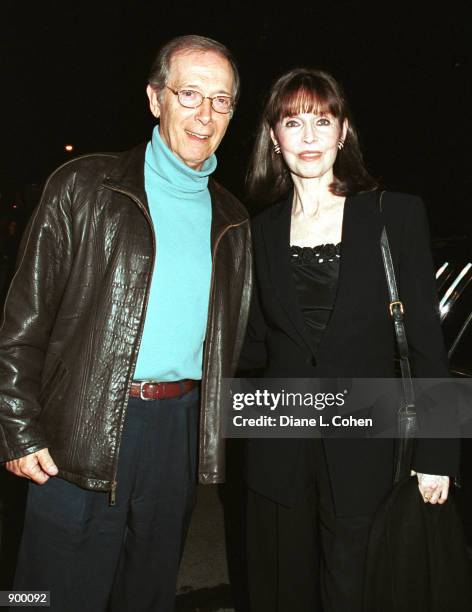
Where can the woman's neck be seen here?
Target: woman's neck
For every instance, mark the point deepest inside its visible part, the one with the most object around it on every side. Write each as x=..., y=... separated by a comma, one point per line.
x=312, y=196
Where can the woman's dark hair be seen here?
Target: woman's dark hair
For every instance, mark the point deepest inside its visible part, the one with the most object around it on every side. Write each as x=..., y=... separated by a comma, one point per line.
x=304, y=90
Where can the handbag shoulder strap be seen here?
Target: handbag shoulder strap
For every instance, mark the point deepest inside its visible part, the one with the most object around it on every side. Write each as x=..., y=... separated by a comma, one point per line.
x=397, y=313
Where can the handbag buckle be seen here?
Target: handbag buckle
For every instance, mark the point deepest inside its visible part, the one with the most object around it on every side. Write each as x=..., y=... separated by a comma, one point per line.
x=392, y=304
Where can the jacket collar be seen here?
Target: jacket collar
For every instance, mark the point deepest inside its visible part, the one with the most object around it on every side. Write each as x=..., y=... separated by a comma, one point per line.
x=127, y=175
x=277, y=240
x=359, y=255
x=361, y=227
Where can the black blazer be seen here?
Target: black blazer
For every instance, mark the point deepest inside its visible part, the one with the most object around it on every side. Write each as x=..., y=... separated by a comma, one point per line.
x=359, y=342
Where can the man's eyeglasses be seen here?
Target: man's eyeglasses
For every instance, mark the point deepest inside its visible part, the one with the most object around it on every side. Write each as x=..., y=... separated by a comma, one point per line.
x=192, y=99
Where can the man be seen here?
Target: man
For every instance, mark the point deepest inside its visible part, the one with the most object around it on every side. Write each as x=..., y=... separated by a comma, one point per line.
x=132, y=285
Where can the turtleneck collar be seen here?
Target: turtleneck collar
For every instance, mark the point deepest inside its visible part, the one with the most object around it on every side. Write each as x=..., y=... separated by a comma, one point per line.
x=173, y=171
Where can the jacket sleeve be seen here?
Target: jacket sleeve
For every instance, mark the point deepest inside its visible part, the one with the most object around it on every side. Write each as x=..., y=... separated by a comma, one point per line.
x=254, y=352
x=245, y=298
x=30, y=308
x=418, y=291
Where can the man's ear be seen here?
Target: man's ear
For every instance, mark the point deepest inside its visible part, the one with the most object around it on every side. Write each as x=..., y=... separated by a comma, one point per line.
x=154, y=103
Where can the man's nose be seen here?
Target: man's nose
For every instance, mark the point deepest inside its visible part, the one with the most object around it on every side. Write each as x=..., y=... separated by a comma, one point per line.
x=204, y=112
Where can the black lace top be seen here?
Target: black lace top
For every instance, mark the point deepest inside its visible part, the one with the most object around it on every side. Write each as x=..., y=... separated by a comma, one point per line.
x=315, y=272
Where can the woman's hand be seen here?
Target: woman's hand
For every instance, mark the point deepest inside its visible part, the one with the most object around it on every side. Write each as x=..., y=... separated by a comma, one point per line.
x=433, y=489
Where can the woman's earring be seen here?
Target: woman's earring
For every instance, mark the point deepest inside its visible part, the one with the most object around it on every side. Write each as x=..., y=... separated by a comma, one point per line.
x=276, y=148
x=340, y=144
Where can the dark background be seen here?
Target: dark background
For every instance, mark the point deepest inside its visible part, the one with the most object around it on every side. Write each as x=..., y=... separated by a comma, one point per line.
x=75, y=72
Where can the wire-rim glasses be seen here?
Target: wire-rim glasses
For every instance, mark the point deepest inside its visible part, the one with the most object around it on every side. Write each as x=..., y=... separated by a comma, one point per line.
x=190, y=98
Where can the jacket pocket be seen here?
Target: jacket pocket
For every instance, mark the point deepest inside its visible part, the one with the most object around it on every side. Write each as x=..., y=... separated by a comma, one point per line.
x=52, y=382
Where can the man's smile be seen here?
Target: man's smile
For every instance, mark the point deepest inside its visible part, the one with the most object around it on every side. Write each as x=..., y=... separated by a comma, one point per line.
x=199, y=136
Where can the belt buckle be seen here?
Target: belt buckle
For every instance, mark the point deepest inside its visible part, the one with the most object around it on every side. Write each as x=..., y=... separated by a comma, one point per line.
x=146, y=382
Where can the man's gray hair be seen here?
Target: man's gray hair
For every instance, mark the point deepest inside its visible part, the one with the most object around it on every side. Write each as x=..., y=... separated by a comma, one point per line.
x=160, y=69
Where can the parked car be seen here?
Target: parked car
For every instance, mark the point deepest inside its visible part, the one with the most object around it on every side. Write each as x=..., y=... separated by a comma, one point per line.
x=454, y=275
x=453, y=259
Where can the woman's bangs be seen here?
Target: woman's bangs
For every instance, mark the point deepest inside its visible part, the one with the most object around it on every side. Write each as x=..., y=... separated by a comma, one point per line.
x=306, y=100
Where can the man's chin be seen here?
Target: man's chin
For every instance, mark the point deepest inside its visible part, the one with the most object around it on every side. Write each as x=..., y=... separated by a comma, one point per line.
x=195, y=165
x=196, y=162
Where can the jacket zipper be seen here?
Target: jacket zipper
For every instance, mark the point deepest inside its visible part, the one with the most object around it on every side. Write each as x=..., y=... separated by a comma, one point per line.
x=114, y=482
x=205, y=355
x=112, y=497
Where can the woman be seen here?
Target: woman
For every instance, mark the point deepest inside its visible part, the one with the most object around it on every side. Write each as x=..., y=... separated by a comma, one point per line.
x=320, y=309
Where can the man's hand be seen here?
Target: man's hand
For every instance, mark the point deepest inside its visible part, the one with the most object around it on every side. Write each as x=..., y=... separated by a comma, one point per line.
x=37, y=466
x=433, y=489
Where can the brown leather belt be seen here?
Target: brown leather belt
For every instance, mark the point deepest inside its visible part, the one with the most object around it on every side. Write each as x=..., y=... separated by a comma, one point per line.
x=152, y=390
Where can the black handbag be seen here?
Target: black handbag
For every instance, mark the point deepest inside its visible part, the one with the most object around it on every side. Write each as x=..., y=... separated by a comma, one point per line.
x=416, y=558
x=407, y=420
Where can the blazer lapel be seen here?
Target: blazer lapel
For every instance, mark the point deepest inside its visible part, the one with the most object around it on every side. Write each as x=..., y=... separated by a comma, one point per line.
x=360, y=239
x=277, y=241
x=360, y=242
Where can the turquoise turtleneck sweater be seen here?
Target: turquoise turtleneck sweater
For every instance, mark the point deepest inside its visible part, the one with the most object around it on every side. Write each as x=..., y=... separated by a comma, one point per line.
x=175, y=325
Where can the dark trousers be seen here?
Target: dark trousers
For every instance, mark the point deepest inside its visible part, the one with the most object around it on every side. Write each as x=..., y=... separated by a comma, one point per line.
x=95, y=557
x=306, y=558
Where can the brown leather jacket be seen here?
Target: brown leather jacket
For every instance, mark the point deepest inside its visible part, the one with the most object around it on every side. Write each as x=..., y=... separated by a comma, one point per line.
x=75, y=311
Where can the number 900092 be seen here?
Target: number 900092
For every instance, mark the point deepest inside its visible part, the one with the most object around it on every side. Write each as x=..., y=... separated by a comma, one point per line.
x=24, y=598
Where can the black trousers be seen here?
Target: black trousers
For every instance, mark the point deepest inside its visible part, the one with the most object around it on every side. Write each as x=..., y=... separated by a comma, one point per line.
x=94, y=557
x=306, y=558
